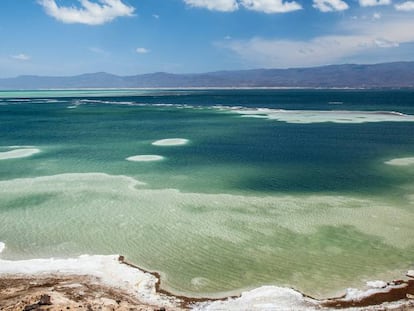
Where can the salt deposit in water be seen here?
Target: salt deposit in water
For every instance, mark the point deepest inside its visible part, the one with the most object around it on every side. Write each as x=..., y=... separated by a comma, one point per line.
x=334, y=116
x=18, y=153
x=145, y=158
x=401, y=161
x=171, y=142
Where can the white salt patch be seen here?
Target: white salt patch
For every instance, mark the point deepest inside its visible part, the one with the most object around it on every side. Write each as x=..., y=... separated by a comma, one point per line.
x=171, y=142
x=145, y=158
x=262, y=298
x=18, y=153
x=377, y=284
x=401, y=161
x=335, y=116
x=2, y=246
x=410, y=273
x=107, y=268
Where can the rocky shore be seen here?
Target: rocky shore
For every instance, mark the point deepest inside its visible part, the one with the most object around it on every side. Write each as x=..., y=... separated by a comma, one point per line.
x=57, y=293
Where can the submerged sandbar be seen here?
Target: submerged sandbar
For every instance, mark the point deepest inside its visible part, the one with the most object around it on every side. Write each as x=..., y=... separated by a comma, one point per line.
x=18, y=153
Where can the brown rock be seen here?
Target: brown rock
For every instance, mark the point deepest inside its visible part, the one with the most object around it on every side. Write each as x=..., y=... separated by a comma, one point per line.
x=44, y=300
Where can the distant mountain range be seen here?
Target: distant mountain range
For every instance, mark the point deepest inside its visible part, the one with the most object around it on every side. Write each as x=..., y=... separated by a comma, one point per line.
x=386, y=75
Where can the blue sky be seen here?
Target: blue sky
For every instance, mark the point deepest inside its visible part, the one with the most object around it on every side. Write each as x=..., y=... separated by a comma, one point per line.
x=68, y=37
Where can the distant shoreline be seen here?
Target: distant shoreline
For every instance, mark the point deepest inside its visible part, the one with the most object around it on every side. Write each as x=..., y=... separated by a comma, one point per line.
x=178, y=88
x=388, y=75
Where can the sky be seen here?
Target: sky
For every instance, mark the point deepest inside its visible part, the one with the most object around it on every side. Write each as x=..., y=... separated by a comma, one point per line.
x=128, y=37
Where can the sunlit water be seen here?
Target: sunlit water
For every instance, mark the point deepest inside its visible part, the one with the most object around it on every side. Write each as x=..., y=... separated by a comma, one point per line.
x=316, y=191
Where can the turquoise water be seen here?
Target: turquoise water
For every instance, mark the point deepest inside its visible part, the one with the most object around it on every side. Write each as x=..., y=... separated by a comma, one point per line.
x=301, y=197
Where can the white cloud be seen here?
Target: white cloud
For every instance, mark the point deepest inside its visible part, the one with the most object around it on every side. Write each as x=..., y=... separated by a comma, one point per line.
x=386, y=43
x=376, y=16
x=405, y=6
x=156, y=16
x=374, y=2
x=290, y=53
x=266, y=6
x=21, y=57
x=214, y=5
x=90, y=13
x=271, y=6
x=330, y=5
x=357, y=38
x=142, y=50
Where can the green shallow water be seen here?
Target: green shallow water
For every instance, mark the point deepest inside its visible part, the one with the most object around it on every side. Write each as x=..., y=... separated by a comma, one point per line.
x=247, y=202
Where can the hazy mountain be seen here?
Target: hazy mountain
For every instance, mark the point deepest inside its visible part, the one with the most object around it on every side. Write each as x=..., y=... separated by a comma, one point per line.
x=386, y=75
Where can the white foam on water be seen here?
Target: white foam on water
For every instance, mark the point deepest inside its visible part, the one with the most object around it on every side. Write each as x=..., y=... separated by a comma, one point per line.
x=401, y=161
x=171, y=142
x=2, y=247
x=107, y=268
x=264, y=298
x=322, y=116
x=18, y=153
x=145, y=158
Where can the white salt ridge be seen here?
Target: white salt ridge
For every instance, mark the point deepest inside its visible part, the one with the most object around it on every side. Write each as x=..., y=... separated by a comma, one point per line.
x=18, y=153
x=264, y=298
x=107, y=268
x=401, y=161
x=2, y=247
x=334, y=116
x=145, y=158
x=410, y=273
x=377, y=284
x=353, y=294
x=171, y=142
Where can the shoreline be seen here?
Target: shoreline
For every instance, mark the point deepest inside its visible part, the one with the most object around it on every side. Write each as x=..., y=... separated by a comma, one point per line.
x=114, y=283
x=394, y=291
